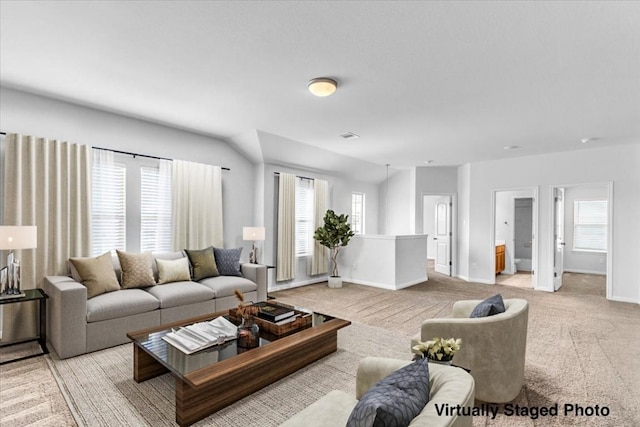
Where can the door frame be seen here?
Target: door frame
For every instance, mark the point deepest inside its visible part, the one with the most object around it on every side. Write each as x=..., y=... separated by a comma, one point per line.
x=535, y=231
x=609, y=185
x=453, y=213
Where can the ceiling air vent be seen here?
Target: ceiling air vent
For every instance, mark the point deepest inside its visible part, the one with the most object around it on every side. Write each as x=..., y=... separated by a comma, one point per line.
x=349, y=135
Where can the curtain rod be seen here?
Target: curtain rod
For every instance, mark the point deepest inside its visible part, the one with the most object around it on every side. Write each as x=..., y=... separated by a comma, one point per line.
x=142, y=155
x=298, y=176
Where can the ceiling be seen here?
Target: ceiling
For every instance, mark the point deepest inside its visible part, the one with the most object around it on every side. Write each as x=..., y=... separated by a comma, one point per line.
x=451, y=82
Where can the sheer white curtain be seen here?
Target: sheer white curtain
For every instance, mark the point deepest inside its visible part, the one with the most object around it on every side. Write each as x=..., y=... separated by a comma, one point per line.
x=319, y=261
x=47, y=183
x=197, y=205
x=286, y=255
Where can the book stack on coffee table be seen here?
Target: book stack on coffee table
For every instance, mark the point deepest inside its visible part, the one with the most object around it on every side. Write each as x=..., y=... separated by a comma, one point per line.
x=277, y=319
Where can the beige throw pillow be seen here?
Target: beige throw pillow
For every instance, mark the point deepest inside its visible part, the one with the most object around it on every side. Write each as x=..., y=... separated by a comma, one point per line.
x=97, y=274
x=136, y=270
x=203, y=263
x=173, y=270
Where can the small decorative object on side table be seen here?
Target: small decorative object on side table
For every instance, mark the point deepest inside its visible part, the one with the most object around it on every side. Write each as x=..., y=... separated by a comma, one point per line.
x=248, y=331
x=437, y=350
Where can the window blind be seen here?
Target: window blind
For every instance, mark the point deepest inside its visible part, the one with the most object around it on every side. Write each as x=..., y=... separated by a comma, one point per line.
x=590, y=225
x=304, y=217
x=108, y=209
x=155, y=211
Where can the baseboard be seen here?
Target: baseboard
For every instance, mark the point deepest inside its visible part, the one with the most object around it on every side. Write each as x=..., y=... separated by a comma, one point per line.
x=571, y=270
x=624, y=299
x=386, y=286
x=276, y=288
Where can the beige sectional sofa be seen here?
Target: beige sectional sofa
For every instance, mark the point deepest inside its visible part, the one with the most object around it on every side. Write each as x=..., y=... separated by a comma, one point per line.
x=77, y=324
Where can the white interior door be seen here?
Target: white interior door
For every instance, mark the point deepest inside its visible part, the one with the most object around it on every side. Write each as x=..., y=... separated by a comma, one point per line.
x=558, y=218
x=443, y=235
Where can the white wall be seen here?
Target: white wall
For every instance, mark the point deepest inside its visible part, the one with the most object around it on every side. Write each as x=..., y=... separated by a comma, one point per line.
x=395, y=206
x=429, y=223
x=578, y=261
x=617, y=164
x=29, y=114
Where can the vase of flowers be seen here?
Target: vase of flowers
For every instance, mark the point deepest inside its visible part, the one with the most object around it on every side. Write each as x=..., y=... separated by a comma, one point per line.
x=438, y=350
x=248, y=331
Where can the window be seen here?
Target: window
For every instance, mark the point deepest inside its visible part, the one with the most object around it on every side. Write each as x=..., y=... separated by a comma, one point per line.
x=155, y=211
x=590, y=225
x=108, y=210
x=304, y=217
x=357, y=213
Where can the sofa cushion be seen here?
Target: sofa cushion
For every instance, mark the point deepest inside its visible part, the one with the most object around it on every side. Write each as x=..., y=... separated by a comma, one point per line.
x=166, y=255
x=228, y=261
x=136, y=269
x=395, y=400
x=223, y=286
x=181, y=293
x=175, y=270
x=489, y=307
x=203, y=263
x=125, y=302
x=97, y=274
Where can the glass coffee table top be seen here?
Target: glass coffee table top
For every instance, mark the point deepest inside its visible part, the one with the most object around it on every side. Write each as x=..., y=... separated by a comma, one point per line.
x=181, y=364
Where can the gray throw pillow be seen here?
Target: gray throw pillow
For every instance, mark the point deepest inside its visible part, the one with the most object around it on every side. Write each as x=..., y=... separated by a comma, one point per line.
x=203, y=263
x=395, y=400
x=489, y=307
x=228, y=261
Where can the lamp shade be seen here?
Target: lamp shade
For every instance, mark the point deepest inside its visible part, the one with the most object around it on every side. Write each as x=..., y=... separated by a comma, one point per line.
x=252, y=233
x=18, y=236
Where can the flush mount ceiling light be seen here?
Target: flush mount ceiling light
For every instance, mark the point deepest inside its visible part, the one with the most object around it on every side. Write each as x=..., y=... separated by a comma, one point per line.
x=322, y=86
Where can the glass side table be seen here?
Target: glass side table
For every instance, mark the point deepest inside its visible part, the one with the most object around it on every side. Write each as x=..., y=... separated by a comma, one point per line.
x=41, y=297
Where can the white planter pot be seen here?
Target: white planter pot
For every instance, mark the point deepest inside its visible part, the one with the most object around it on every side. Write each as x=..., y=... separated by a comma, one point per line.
x=335, y=281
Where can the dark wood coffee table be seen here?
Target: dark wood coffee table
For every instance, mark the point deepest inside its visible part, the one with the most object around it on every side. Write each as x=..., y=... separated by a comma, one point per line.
x=214, y=378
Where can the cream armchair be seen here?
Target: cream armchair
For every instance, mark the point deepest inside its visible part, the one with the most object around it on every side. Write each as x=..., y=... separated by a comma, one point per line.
x=448, y=387
x=493, y=347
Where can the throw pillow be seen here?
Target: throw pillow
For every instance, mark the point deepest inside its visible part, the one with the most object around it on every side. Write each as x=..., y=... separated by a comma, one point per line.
x=228, y=261
x=203, y=263
x=489, y=307
x=136, y=269
x=395, y=400
x=173, y=270
x=97, y=274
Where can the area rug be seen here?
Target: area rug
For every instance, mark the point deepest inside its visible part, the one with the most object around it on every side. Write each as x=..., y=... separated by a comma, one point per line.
x=100, y=389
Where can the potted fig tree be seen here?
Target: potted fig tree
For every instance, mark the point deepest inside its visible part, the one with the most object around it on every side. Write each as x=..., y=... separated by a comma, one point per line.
x=334, y=234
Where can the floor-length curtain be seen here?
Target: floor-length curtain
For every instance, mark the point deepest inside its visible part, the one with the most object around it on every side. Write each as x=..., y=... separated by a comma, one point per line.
x=197, y=205
x=319, y=261
x=47, y=183
x=286, y=254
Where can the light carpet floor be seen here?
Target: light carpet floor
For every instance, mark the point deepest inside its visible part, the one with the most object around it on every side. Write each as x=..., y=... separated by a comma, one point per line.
x=581, y=349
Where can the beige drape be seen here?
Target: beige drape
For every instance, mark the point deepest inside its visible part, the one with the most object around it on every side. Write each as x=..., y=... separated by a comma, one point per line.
x=286, y=255
x=47, y=184
x=197, y=205
x=319, y=262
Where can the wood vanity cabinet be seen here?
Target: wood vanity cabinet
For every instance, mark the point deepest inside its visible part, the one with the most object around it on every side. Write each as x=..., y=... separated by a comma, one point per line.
x=500, y=258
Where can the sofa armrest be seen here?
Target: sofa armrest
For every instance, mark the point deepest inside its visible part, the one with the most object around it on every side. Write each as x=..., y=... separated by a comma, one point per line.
x=66, y=315
x=257, y=273
x=373, y=369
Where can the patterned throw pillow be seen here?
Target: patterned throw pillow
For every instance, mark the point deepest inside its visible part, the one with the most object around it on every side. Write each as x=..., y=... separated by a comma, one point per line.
x=96, y=274
x=489, y=307
x=173, y=270
x=203, y=263
x=136, y=270
x=228, y=261
x=395, y=400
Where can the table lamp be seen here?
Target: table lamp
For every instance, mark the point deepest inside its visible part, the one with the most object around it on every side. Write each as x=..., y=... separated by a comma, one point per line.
x=255, y=234
x=14, y=237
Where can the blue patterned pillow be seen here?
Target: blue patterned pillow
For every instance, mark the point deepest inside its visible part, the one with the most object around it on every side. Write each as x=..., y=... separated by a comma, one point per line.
x=395, y=400
x=489, y=307
x=228, y=261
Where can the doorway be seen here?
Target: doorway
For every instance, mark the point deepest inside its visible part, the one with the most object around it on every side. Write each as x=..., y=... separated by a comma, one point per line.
x=581, y=237
x=515, y=231
x=437, y=222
